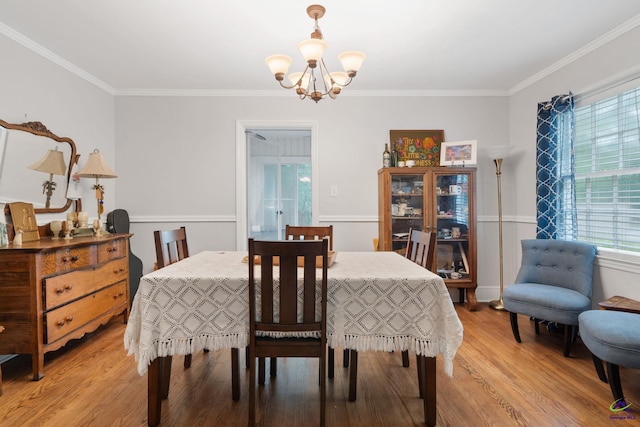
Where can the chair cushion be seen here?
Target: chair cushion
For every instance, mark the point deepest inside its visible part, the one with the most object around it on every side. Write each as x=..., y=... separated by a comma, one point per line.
x=613, y=336
x=546, y=302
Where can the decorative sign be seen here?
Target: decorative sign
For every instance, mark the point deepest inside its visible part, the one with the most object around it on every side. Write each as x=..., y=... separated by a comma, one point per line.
x=23, y=218
x=421, y=146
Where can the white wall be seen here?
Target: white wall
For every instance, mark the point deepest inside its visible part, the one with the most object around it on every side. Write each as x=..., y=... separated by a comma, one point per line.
x=36, y=89
x=175, y=156
x=176, y=159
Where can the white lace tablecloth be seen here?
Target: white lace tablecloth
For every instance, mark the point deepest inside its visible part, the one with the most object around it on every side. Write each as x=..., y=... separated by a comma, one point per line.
x=377, y=301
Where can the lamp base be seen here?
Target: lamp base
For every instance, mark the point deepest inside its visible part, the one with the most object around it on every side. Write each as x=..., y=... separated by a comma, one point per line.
x=497, y=304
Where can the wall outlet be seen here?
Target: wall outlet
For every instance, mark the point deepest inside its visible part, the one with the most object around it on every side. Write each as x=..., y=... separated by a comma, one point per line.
x=334, y=191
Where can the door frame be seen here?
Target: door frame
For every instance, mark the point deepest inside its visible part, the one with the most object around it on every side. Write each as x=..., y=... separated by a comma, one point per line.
x=241, y=170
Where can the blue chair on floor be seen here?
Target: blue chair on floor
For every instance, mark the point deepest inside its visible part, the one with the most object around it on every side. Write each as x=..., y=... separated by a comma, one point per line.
x=612, y=337
x=554, y=284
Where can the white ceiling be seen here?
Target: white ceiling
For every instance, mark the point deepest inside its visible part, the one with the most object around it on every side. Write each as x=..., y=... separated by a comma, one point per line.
x=483, y=46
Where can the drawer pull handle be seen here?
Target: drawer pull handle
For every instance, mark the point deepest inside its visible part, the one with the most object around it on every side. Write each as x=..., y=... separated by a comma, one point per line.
x=64, y=288
x=73, y=258
x=112, y=249
x=67, y=319
x=118, y=270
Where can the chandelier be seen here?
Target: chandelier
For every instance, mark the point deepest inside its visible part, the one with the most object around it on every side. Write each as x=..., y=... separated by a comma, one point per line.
x=316, y=82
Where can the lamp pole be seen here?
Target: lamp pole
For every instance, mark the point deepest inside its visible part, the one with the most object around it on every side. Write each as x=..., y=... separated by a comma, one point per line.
x=499, y=303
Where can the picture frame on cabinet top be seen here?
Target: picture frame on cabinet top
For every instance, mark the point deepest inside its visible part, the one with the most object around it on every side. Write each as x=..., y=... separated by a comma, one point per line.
x=459, y=153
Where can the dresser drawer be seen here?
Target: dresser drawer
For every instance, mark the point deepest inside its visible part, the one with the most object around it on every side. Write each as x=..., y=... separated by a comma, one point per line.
x=67, y=287
x=66, y=259
x=112, y=250
x=66, y=319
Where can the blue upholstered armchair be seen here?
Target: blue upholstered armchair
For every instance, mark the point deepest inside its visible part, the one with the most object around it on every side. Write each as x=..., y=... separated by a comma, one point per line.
x=554, y=284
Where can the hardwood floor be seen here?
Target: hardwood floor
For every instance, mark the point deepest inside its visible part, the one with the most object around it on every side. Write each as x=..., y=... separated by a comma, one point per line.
x=496, y=382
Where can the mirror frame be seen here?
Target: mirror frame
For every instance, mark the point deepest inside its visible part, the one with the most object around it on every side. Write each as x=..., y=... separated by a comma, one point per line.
x=37, y=128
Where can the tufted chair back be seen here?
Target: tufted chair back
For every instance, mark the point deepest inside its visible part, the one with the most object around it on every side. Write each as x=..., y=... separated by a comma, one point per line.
x=566, y=264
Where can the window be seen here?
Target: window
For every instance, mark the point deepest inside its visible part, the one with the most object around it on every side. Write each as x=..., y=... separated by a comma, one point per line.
x=607, y=171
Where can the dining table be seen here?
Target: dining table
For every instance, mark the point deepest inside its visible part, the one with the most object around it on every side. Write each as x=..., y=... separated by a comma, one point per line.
x=376, y=301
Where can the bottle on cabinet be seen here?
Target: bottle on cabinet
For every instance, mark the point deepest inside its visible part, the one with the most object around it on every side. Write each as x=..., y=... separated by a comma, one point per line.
x=394, y=155
x=386, y=156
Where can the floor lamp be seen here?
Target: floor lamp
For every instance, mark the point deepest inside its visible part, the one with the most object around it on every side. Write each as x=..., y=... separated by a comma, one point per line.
x=498, y=154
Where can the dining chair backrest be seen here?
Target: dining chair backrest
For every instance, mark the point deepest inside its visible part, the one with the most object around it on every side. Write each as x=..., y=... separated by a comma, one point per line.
x=171, y=246
x=300, y=232
x=421, y=248
x=271, y=325
x=287, y=255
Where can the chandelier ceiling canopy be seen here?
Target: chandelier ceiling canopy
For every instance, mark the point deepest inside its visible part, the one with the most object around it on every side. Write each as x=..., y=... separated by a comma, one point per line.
x=316, y=82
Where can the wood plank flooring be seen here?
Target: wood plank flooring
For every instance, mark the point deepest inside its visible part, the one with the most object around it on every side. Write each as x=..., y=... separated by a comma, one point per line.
x=496, y=382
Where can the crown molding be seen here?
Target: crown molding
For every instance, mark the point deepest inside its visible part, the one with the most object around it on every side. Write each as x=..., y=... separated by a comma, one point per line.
x=586, y=49
x=46, y=53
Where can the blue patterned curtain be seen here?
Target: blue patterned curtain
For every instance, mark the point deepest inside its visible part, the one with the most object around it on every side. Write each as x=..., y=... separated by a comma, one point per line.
x=555, y=167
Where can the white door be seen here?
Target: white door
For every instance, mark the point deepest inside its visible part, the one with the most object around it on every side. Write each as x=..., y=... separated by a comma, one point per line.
x=279, y=181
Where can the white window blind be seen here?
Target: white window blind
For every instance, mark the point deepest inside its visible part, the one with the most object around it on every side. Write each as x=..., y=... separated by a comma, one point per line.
x=607, y=167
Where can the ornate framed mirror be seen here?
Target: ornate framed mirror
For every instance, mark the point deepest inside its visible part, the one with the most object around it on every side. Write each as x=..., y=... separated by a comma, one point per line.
x=35, y=166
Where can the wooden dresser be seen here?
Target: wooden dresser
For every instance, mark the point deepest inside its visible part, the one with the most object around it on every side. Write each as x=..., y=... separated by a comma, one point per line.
x=53, y=291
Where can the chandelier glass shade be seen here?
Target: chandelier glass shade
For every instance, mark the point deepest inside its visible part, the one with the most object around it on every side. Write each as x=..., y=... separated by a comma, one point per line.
x=316, y=81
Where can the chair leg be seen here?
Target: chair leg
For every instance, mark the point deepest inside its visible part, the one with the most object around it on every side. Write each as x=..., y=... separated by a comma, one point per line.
x=514, y=326
x=421, y=376
x=536, y=325
x=405, y=358
x=614, y=381
x=187, y=361
x=353, y=376
x=252, y=388
x=597, y=362
x=273, y=366
x=568, y=333
x=261, y=369
x=345, y=358
x=235, y=374
x=323, y=390
x=331, y=360
x=246, y=356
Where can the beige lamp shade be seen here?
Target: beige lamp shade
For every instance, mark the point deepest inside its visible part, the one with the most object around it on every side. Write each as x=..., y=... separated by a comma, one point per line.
x=352, y=61
x=52, y=162
x=278, y=64
x=96, y=167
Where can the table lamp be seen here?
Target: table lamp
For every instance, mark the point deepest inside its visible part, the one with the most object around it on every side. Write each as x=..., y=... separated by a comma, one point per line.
x=497, y=154
x=53, y=164
x=97, y=168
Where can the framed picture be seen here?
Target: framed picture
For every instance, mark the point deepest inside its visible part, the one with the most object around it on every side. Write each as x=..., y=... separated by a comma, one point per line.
x=23, y=218
x=421, y=146
x=460, y=153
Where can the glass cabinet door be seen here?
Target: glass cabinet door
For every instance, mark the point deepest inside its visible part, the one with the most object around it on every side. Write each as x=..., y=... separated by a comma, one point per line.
x=454, y=223
x=407, y=208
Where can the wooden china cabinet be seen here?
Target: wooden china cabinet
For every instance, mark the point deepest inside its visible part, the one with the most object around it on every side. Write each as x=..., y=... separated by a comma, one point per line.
x=439, y=200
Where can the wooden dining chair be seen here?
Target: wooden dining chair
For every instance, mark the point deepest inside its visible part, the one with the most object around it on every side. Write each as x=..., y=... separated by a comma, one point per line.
x=314, y=232
x=421, y=249
x=271, y=326
x=171, y=246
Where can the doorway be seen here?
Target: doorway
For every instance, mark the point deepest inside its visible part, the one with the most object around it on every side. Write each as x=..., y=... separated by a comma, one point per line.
x=276, y=176
x=279, y=181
